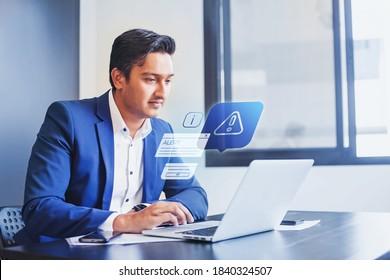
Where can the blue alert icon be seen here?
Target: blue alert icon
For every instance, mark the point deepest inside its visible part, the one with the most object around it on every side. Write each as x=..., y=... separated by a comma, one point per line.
x=232, y=124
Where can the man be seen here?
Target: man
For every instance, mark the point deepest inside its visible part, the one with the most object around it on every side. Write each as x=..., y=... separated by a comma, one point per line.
x=94, y=160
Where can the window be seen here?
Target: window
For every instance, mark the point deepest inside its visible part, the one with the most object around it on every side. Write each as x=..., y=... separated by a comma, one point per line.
x=292, y=56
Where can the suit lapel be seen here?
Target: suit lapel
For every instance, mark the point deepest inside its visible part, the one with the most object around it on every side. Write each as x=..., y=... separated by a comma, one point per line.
x=106, y=143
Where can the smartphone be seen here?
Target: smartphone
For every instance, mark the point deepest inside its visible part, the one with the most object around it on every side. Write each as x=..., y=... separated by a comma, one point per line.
x=292, y=222
x=99, y=236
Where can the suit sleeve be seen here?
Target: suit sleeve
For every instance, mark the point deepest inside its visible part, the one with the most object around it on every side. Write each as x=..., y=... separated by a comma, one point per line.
x=45, y=210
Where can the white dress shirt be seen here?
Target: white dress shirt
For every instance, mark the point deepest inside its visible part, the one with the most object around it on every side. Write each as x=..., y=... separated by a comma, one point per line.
x=128, y=164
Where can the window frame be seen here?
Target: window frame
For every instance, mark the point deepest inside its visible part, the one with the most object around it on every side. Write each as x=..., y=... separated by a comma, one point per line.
x=218, y=73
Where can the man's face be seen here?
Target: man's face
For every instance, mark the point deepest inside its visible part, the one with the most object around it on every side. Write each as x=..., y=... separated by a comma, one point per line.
x=143, y=95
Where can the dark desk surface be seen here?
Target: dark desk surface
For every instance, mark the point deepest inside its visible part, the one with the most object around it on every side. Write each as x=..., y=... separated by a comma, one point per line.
x=339, y=235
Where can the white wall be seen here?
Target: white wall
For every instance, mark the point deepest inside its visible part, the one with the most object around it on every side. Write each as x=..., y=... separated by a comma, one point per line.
x=330, y=188
x=38, y=65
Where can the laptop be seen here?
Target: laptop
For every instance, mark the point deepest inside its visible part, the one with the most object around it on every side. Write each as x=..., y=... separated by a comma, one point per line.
x=259, y=204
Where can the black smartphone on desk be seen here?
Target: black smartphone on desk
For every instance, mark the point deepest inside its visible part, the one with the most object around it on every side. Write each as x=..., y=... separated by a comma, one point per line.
x=292, y=222
x=99, y=236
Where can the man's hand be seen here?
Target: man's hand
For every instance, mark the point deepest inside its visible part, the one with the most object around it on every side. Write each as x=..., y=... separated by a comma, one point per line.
x=152, y=216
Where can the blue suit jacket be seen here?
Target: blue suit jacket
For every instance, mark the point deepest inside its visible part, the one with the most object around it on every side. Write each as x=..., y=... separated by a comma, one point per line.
x=70, y=174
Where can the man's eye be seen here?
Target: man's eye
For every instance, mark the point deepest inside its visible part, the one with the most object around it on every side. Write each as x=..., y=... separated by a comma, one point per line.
x=150, y=80
x=168, y=81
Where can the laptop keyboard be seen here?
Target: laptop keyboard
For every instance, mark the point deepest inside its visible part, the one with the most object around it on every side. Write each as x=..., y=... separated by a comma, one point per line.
x=202, y=231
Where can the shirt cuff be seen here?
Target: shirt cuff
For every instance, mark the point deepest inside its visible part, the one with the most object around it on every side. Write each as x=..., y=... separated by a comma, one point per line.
x=109, y=222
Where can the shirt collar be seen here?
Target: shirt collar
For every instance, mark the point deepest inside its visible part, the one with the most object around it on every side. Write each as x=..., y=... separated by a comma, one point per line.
x=118, y=124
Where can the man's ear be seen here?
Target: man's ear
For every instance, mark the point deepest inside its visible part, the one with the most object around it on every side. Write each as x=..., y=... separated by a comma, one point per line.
x=117, y=78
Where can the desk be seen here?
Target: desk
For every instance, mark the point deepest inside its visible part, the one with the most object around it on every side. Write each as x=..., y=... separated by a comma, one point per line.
x=339, y=235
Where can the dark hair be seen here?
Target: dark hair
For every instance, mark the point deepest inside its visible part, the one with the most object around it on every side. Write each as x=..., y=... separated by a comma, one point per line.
x=132, y=47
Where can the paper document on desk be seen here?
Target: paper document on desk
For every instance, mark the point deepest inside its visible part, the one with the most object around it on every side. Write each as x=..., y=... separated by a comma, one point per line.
x=125, y=238
x=304, y=225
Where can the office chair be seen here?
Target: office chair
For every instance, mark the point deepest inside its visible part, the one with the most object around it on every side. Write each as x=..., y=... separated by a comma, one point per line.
x=11, y=222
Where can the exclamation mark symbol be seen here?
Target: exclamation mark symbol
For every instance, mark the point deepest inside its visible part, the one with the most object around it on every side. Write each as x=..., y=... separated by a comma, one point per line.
x=231, y=123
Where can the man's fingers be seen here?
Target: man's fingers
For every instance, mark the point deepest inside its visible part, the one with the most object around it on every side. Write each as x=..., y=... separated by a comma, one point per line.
x=170, y=219
x=187, y=213
x=177, y=209
x=181, y=212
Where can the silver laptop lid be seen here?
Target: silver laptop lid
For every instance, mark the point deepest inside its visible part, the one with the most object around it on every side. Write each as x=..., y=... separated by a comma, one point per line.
x=263, y=197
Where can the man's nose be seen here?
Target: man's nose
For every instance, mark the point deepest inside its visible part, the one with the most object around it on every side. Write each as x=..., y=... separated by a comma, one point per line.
x=162, y=90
